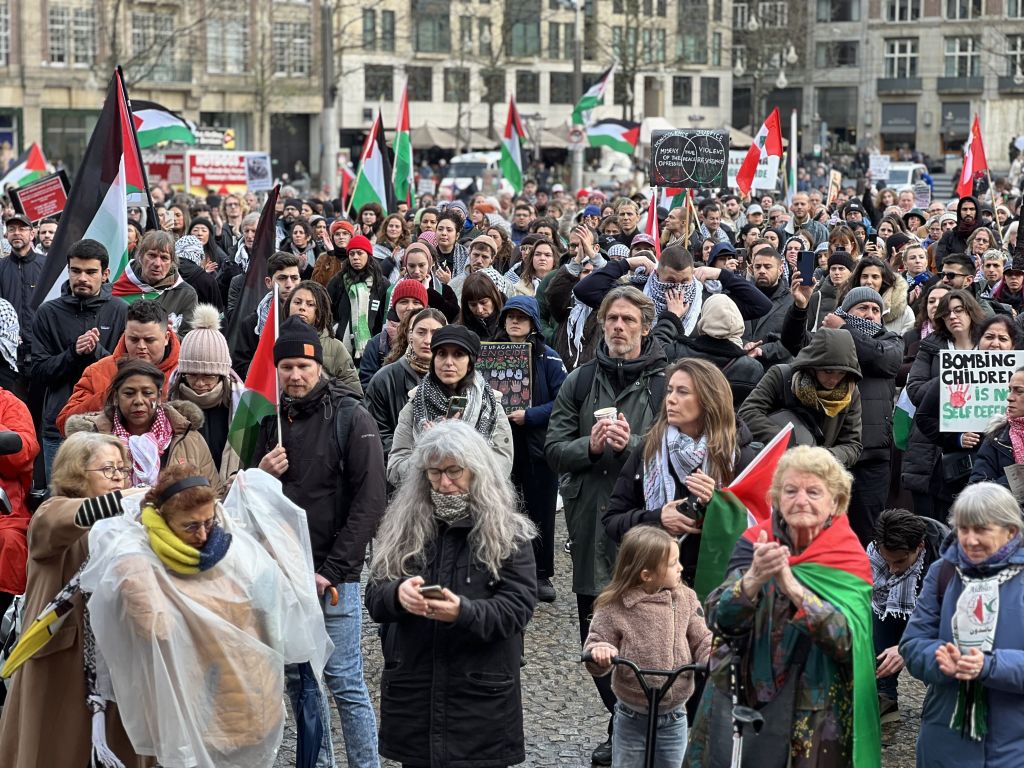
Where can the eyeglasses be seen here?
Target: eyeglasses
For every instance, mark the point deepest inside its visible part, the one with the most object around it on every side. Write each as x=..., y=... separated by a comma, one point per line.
x=957, y=311
x=951, y=275
x=205, y=525
x=453, y=473
x=110, y=471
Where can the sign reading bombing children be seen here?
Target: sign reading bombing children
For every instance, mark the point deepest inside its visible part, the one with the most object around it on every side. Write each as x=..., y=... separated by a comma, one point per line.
x=973, y=386
x=689, y=159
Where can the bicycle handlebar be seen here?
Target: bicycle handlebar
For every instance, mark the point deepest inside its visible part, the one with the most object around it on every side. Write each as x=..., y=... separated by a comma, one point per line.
x=701, y=667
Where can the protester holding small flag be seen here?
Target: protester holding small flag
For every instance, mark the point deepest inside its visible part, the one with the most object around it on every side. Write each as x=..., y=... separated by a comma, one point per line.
x=795, y=618
x=284, y=272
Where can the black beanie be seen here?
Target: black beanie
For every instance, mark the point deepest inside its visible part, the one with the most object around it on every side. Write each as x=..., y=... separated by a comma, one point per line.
x=456, y=336
x=842, y=258
x=297, y=338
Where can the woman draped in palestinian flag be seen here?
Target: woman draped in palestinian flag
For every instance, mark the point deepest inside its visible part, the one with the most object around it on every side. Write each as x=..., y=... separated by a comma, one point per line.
x=793, y=626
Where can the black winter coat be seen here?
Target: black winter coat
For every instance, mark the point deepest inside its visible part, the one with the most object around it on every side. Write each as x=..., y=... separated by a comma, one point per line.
x=742, y=371
x=768, y=326
x=922, y=465
x=207, y=287
x=58, y=324
x=342, y=306
x=450, y=695
x=343, y=491
x=560, y=302
x=386, y=396
x=994, y=456
x=18, y=280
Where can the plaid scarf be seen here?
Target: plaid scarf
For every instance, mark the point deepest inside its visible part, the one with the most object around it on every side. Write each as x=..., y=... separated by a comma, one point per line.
x=868, y=327
x=894, y=595
x=685, y=455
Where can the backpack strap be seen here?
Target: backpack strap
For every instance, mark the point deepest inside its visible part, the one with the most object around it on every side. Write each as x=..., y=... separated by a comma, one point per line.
x=343, y=424
x=584, y=383
x=946, y=571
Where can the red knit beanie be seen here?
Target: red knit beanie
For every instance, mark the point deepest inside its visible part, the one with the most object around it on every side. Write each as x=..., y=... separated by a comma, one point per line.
x=409, y=289
x=342, y=224
x=361, y=243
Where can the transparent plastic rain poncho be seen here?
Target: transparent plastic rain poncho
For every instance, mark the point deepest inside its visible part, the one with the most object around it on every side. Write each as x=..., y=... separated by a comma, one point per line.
x=196, y=662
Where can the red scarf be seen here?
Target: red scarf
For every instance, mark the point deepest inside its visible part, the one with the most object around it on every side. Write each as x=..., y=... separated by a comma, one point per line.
x=1017, y=438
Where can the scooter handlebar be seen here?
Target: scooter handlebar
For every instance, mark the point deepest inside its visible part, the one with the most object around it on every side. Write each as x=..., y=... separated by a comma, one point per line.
x=701, y=667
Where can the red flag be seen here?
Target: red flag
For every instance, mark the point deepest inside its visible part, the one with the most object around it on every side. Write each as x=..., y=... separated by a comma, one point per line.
x=974, y=161
x=652, y=224
x=767, y=143
x=752, y=484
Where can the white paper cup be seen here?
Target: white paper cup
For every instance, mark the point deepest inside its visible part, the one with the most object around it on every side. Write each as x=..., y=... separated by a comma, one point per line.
x=605, y=413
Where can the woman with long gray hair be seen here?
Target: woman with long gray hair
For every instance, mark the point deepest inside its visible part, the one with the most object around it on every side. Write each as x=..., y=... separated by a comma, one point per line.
x=453, y=584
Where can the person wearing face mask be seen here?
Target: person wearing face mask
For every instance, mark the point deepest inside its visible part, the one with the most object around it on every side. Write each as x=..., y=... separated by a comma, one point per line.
x=452, y=375
x=358, y=295
x=955, y=240
x=879, y=355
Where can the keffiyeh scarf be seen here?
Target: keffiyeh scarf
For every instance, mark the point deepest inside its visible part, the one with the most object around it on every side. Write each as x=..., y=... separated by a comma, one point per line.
x=868, y=327
x=894, y=595
x=10, y=334
x=578, y=316
x=430, y=404
x=685, y=455
x=693, y=295
x=141, y=448
x=450, y=508
x=263, y=312
x=242, y=256
x=190, y=249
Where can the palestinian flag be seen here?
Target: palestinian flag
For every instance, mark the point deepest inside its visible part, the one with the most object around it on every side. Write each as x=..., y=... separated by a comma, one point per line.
x=734, y=509
x=903, y=420
x=260, y=397
x=512, y=148
x=30, y=167
x=156, y=124
x=373, y=184
x=652, y=224
x=672, y=197
x=592, y=98
x=97, y=206
x=835, y=567
x=404, y=176
x=767, y=143
x=255, y=287
x=620, y=135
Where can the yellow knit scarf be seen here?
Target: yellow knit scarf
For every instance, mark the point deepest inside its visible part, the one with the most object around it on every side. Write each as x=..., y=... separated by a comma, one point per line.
x=172, y=551
x=831, y=401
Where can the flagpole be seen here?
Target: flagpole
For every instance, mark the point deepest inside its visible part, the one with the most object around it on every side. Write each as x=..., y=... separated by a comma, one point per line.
x=277, y=379
x=150, y=209
x=992, y=197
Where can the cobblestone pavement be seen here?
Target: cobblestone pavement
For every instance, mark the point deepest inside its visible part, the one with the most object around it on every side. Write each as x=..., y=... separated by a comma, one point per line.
x=562, y=712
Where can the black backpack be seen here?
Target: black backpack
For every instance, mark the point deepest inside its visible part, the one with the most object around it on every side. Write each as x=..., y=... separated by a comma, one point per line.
x=584, y=384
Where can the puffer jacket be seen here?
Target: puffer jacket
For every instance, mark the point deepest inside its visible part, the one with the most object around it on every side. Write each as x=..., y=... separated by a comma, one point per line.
x=922, y=465
x=450, y=694
x=829, y=348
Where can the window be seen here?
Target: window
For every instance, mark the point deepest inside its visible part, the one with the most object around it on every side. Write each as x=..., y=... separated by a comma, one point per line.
x=369, y=30
x=661, y=8
x=5, y=38
x=963, y=9
x=378, y=83
x=292, y=49
x=618, y=6
x=554, y=40
x=1015, y=9
x=561, y=88
x=387, y=30
x=152, y=33
x=561, y=41
x=963, y=57
x=838, y=53
x=709, y=91
x=527, y=87
x=84, y=37
x=740, y=15
x=648, y=8
x=227, y=46
x=421, y=83
x=493, y=84
x=456, y=84
x=902, y=10
x=682, y=91
x=838, y=10
x=484, y=36
x=901, y=57
x=692, y=47
x=716, y=49
x=1014, y=54
x=522, y=19
x=466, y=32
x=431, y=27
x=58, y=41
x=71, y=35
x=774, y=14
x=622, y=91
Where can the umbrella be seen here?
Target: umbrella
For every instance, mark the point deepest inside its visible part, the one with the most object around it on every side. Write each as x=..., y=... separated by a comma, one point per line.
x=309, y=723
x=44, y=627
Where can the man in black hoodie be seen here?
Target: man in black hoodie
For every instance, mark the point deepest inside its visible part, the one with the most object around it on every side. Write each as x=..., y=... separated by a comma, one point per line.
x=955, y=241
x=330, y=462
x=72, y=332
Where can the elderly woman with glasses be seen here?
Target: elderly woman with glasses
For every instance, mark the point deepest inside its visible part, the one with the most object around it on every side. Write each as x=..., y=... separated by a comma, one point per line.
x=453, y=585
x=87, y=485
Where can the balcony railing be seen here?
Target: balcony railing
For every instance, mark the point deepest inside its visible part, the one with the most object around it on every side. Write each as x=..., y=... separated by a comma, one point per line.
x=960, y=85
x=163, y=72
x=887, y=85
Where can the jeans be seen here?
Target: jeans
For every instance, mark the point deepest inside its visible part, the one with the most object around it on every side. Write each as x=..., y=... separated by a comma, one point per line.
x=344, y=678
x=887, y=634
x=629, y=738
x=50, y=446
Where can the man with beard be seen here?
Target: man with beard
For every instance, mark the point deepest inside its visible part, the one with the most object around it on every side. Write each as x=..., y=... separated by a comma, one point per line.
x=955, y=241
x=72, y=332
x=522, y=215
x=284, y=271
x=762, y=335
x=19, y=275
x=359, y=296
x=289, y=213
x=154, y=275
x=47, y=229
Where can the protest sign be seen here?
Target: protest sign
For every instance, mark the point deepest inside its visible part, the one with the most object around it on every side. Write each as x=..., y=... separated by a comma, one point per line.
x=922, y=195
x=689, y=159
x=878, y=165
x=765, y=177
x=505, y=367
x=973, y=386
x=42, y=198
x=835, y=183
x=258, y=175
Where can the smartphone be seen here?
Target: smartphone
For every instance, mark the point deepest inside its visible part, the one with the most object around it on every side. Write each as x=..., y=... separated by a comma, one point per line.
x=432, y=592
x=805, y=266
x=457, y=406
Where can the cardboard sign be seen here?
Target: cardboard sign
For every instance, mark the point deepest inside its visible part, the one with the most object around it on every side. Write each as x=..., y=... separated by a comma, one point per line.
x=835, y=183
x=689, y=159
x=922, y=195
x=164, y=166
x=43, y=198
x=765, y=177
x=879, y=167
x=973, y=386
x=507, y=368
x=258, y=174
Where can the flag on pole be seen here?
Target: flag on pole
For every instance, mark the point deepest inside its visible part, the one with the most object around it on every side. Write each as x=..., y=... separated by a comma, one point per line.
x=373, y=182
x=672, y=197
x=974, y=161
x=734, y=509
x=97, y=206
x=27, y=168
x=652, y=224
x=767, y=143
x=793, y=158
x=405, y=175
x=620, y=135
x=903, y=420
x=512, y=148
x=255, y=287
x=260, y=397
x=155, y=124
x=592, y=98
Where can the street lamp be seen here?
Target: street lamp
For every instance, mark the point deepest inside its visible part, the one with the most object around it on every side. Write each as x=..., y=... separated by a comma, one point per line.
x=791, y=56
x=781, y=82
x=738, y=70
x=1018, y=76
x=753, y=24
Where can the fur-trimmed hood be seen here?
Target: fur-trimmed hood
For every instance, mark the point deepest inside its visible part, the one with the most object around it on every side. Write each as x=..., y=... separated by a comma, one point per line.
x=182, y=414
x=895, y=300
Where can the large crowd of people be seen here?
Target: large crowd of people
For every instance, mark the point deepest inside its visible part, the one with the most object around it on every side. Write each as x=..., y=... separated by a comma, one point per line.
x=174, y=587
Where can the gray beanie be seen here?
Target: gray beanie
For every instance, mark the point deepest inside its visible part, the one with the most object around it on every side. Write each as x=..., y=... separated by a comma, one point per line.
x=859, y=294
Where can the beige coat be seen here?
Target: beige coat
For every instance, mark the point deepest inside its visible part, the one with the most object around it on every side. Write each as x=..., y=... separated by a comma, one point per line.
x=46, y=721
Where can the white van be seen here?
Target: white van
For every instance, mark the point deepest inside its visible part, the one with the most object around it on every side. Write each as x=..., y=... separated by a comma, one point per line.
x=905, y=174
x=471, y=167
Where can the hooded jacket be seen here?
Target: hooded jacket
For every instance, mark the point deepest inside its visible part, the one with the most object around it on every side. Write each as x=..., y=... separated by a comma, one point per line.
x=829, y=348
x=90, y=392
x=955, y=241
x=55, y=363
